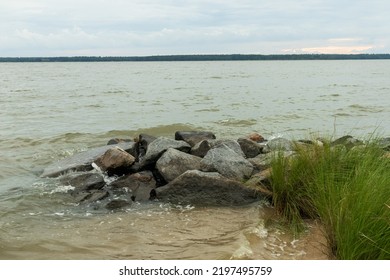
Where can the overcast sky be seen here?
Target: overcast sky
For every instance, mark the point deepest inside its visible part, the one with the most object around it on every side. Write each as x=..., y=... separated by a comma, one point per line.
x=157, y=27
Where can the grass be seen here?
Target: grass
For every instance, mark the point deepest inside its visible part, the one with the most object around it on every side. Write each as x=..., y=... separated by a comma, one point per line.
x=348, y=189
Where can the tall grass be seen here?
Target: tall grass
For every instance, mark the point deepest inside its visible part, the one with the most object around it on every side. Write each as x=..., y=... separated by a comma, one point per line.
x=347, y=189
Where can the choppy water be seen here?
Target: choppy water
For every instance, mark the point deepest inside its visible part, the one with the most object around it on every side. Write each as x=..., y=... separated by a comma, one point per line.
x=52, y=110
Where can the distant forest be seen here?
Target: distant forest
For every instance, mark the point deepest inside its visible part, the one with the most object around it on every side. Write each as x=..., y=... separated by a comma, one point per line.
x=202, y=57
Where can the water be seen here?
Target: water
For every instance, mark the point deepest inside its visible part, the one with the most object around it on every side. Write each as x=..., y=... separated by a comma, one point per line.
x=53, y=110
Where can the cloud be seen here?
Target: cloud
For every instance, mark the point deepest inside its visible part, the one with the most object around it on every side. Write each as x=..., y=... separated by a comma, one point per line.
x=121, y=27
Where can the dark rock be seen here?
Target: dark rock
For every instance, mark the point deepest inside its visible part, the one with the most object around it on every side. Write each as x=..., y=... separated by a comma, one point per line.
x=210, y=189
x=227, y=162
x=193, y=137
x=249, y=147
x=384, y=143
x=348, y=141
x=173, y=163
x=261, y=183
x=81, y=161
x=115, y=161
x=84, y=182
x=142, y=143
x=201, y=148
x=115, y=141
x=90, y=196
x=141, y=185
x=117, y=204
x=159, y=146
x=232, y=144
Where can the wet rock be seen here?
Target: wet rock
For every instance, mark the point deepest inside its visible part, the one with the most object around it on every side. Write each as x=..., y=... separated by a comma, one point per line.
x=159, y=146
x=81, y=161
x=204, y=188
x=227, y=162
x=142, y=143
x=140, y=185
x=117, y=204
x=173, y=163
x=84, y=182
x=90, y=196
x=201, y=148
x=249, y=147
x=279, y=144
x=194, y=137
x=115, y=141
x=261, y=183
x=115, y=161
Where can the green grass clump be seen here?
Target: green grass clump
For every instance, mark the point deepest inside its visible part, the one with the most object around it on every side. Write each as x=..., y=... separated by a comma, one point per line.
x=347, y=189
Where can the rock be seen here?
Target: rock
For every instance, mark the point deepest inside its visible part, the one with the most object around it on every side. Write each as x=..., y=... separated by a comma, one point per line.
x=142, y=143
x=227, y=162
x=115, y=141
x=256, y=137
x=90, y=196
x=279, y=144
x=384, y=143
x=201, y=148
x=141, y=185
x=159, y=146
x=261, y=183
x=115, y=161
x=232, y=144
x=194, y=137
x=173, y=163
x=263, y=161
x=84, y=182
x=209, y=189
x=348, y=141
x=117, y=204
x=249, y=147
x=81, y=161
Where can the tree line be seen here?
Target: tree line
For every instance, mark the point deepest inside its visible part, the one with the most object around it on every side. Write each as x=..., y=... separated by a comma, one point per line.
x=202, y=57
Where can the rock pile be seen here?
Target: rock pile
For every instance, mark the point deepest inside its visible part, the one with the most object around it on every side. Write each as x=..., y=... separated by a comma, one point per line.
x=193, y=168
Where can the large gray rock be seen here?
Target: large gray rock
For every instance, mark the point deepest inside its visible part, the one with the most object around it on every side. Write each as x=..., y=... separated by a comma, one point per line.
x=159, y=146
x=227, y=162
x=202, y=148
x=90, y=196
x=140, y=185
x=384, y=143
x=194, y=137
x=115, y=161
x=263, y=161
x=82, y=161
x=279, y=144
x=209, y=189
x=173, y=163
x=142, y=142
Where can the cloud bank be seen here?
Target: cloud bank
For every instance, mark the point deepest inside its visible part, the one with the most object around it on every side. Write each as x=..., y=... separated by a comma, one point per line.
x=151, y=27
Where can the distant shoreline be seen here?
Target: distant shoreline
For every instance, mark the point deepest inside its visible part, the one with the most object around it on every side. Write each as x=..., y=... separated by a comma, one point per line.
x=202, y=57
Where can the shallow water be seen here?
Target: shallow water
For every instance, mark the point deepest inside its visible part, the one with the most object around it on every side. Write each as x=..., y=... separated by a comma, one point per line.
x=53, y=110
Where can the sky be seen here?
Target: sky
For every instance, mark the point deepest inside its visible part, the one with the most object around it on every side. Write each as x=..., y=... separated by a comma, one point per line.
x=169, y=27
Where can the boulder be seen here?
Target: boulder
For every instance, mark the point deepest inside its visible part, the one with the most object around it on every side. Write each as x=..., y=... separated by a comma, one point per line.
x=384, y=143
x=261, y=183
x=249, y=147
x=232, y=144
x=84, y=182
x=115, y=161
x=142, y=143
x=159, y=146
x=194, y=137
x=82, y=161
x=348, y=141
x=227, y=162
x=263, y=161
x=209, y=189
x=117, y=204
x=115, y=141
x=201, y=148
x=90, y=196
x=141, y=185
x=278, y=144
x=173, y=163
x=256, y=137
